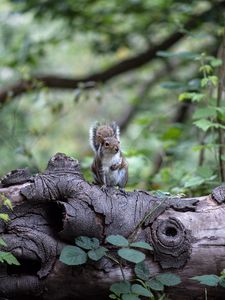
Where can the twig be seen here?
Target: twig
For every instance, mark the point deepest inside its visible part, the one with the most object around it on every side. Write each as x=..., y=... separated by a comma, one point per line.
x=148, y=214
x=116, y=261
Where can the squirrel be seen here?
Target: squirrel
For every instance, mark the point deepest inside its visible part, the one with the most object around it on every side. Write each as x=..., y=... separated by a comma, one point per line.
x=109, y=167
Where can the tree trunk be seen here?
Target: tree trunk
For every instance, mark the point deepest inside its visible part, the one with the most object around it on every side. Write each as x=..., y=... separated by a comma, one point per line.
x=54, y=207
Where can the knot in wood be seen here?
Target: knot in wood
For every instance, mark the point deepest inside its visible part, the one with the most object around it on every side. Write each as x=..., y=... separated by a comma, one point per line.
x=56, y=182
x=171, y=243
x=218, y=194
x=62, y=161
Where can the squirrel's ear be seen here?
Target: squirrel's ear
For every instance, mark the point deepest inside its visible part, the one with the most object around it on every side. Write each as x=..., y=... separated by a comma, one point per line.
x=99, y=139
x=116, y=130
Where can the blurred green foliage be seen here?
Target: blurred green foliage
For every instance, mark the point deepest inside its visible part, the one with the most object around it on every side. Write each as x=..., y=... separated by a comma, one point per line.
x=77, y=38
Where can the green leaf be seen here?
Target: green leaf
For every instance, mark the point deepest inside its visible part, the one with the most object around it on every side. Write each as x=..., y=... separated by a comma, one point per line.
x=9, y=258
x=222, y=282
x=142, y=245
x=210, y=79
x=97, y=254
x=204, y=82
x=140, y=290
x=194, y=181
x=204, y=172
x=117, y=240
x=131, y=255
x=2, y=243
x=168, y=279
x=119, y=288
x=207, y=112
x=87, y=243
x=213, y=80
x=217, y=125
x=172, y=133
x=72, y=256
x=7, y=203
x=142, y=271
x=221, y=110
x=204, y=124
x=4, y=217
x=194, y=97
x=215, y=62
x=130, y=297
x=206, y=69
x=155, y=285
x=210, y=280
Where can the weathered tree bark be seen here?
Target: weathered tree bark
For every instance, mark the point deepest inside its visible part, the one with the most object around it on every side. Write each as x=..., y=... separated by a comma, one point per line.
x=54, y=207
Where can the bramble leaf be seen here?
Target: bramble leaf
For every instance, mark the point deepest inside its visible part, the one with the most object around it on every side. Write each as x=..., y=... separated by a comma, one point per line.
x=205, y=113
x=222, y=282
x=117, y=240
x=142, y=245
x=131, y=255
x=204, y=124
x=87, y=243
x=155, y=285
x=168, y=279
x=119, y=288
x=97, y=254
x=140, y=290
x=210, y=280
x=194, y=97
x=72, y=256
x=142, y=271
x=130, y=297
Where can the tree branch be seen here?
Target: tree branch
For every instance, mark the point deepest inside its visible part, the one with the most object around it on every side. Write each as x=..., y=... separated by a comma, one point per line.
x=54, y=81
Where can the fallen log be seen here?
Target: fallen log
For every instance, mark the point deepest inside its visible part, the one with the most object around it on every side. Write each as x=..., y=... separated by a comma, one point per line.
x=54, y=207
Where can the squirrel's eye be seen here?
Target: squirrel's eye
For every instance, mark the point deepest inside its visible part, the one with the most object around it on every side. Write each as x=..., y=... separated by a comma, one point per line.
x=106, y=144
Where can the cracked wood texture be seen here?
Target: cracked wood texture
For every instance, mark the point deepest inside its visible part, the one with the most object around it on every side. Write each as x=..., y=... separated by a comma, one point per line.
x=54, y=207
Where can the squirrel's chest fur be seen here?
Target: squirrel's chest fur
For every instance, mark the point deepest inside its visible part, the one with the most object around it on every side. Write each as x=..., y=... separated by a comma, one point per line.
x=109, y=160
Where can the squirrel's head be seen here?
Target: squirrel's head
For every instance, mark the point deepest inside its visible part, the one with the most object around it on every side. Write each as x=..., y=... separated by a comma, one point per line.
x=110, y=145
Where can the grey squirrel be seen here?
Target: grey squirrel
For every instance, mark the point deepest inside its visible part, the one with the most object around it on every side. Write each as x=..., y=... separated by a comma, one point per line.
x=109, y=166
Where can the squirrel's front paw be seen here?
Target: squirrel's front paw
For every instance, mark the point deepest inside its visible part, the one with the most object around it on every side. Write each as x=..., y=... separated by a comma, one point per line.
x=122, y=190
x=103, y=187
x=114, y=167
